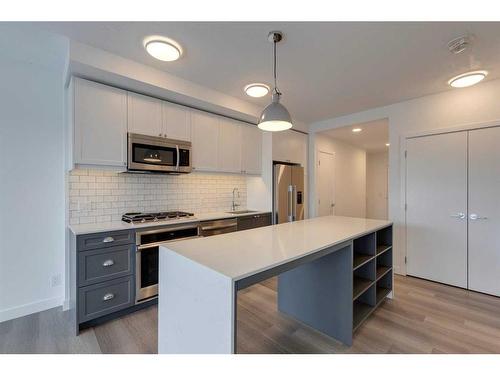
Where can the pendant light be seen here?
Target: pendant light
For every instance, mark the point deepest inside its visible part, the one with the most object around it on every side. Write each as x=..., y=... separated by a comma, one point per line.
x=275, y=117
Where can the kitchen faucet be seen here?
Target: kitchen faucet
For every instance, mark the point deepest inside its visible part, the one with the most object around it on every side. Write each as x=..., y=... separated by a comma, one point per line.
x=234, y=205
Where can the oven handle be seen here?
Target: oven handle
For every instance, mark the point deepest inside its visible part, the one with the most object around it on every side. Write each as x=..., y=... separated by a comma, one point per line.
x=178, y=156
x=224, y=226
x=156, y=244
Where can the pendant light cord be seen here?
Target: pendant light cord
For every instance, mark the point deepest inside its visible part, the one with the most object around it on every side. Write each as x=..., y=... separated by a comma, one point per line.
x=274, y=69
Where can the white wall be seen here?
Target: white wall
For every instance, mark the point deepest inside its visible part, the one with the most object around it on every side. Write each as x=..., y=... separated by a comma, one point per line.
x=31, y=170
x=350, y=176
x=449, y=109
x=376, y=185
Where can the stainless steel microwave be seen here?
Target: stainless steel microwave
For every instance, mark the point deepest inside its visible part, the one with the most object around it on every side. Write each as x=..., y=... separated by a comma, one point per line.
x=157, y=154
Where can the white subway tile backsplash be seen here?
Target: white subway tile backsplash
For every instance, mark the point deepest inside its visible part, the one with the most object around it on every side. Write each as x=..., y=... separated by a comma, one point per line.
x=97, y=196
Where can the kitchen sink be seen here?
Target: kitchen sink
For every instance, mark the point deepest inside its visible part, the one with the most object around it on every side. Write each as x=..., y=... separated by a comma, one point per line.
x=240, y=212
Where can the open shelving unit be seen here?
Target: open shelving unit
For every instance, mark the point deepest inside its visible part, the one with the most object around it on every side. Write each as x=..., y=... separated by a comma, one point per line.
x=372, y=273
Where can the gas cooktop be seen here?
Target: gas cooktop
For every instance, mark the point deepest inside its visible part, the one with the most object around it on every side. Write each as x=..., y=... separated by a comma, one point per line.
x=143, y=217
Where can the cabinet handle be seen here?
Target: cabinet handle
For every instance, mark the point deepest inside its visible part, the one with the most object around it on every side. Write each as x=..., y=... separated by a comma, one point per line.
x=460, y=215
x=108, y=296
x=108, y=263
x=108, y=239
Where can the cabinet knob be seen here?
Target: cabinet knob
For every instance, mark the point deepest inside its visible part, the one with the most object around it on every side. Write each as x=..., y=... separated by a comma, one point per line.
x=108, y=296
x=159, y=135
x=108, y=263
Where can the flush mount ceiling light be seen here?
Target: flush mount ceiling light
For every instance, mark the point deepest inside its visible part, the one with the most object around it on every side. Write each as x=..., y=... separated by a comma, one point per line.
x=468, y=79
x=257, y=90
x=356, y=130
x=162, y=48
x=275, y=117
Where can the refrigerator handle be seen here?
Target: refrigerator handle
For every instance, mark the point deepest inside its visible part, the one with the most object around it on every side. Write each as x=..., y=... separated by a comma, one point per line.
x=289, y=208
x=294, y=202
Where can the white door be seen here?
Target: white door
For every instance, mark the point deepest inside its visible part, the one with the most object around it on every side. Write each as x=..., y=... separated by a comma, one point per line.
x=205, y=141
x=176, y=121
x=100, y=119
x=251, y=149
x=484, y=210
x=436, y=194
x=326, y=184
x=230, y=150
x=144, y=115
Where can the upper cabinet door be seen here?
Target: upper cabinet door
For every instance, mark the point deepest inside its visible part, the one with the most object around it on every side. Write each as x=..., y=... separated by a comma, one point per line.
x=100, y=120
x=230, y=146
x=205, y=141
x=144, y=115
x=290, y=146
x=251, y=149
x=176, y=121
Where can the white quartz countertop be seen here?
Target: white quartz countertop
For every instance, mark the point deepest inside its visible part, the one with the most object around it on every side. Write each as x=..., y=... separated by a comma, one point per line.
x=242, y=254
x=121, y=225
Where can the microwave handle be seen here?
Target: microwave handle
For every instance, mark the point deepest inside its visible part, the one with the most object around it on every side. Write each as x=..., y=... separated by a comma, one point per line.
x=178, y=156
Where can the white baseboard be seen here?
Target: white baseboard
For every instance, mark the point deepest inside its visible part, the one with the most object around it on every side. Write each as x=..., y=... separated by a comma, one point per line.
x=31, y=308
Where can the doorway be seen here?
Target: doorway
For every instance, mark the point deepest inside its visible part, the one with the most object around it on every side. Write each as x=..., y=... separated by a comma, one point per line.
x=326, y=183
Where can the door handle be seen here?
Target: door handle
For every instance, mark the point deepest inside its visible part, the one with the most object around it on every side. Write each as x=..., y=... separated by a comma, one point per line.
x=294, y=202
x=290, y=203
x=459, y=215
x=178, y=156
x=477, y=217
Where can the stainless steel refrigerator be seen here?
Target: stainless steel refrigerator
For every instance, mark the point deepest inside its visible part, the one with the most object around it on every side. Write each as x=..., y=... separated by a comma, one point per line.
x=288, y=193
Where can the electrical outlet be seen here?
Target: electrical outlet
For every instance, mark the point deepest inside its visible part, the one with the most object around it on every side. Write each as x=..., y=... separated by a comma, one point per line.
x=55, y=280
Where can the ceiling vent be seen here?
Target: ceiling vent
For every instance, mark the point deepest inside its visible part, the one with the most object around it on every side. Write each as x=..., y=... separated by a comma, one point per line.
x=460, y=44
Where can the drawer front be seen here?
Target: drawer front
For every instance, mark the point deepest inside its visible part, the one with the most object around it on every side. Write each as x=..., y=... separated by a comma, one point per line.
x=106, y=239
x=105, y=298
x=254, y=221
x=262, y=220
x=95, y=266
x=246, y=222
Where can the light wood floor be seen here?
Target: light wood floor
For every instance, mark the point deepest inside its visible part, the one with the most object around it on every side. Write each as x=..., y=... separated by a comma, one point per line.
x=424, y=317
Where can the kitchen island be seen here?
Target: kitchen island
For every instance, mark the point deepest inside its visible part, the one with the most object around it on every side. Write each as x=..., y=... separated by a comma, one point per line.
x=333, y=272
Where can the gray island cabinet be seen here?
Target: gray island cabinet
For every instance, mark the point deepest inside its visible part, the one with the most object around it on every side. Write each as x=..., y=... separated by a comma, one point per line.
x=333, y=272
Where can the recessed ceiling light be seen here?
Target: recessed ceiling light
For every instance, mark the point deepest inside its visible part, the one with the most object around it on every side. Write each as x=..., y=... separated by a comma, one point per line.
x=387, y=144
x=162, y=48
x=468, y=79
x=356, y=130
x=257, y=90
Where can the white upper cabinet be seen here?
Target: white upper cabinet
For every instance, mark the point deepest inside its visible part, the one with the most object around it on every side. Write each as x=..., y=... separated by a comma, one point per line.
x=145, y=115
x=205, y=141
x=100, y=124
x=176, y=121
x=290, y=146
x=230, y=146
x=251, y=149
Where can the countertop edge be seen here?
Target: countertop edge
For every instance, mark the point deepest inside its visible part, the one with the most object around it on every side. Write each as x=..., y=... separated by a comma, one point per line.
x=82, y=229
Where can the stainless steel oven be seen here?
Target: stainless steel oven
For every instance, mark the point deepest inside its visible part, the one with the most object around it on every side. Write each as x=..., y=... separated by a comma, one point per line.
x=157, y=154
x=147, y=253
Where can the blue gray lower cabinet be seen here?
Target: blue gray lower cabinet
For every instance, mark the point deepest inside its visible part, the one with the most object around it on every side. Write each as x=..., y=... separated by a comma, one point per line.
x=105, y=276
x=104, y=273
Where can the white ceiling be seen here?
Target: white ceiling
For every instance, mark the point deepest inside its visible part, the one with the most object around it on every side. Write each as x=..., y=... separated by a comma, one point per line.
x=372, y=138
x=325, y=69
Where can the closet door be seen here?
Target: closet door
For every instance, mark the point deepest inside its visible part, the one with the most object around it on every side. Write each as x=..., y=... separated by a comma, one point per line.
x=436, y=193
x=484, y=210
